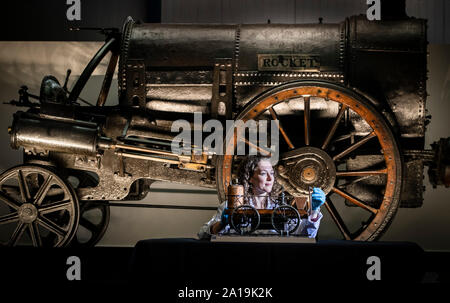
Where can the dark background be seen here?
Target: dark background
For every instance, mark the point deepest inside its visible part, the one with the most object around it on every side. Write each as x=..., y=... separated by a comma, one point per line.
x=37, y=20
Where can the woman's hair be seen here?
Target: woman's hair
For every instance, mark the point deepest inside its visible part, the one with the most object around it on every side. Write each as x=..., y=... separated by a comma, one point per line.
x=246, y=171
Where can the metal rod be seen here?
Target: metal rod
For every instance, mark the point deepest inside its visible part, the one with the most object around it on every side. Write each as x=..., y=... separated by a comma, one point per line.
x=142, y=149
x=150, y=151
x=183, y=191
x=108, y=79
x=86, y=74
x=147, y=157
x=118, y=204
x=147, y=141
x=310, y=199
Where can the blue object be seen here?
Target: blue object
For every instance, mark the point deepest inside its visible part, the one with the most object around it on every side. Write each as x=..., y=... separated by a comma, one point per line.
x=318, y=198
x=224, y=219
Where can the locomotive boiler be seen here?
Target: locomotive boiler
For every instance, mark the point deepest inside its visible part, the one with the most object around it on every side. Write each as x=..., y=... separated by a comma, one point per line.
x=349, y=99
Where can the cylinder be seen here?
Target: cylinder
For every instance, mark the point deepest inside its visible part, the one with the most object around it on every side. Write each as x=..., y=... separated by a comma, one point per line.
x=43, y=134
x=235, y=195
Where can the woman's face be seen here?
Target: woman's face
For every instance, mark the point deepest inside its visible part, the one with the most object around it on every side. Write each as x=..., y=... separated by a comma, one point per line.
x=263, y=178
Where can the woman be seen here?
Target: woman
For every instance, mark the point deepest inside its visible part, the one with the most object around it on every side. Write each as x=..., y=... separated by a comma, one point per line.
x=258, y=178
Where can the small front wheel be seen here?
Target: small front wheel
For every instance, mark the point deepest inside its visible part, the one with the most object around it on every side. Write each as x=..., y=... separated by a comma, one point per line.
x=285, y=219
x=245, y=219
x=37, y=208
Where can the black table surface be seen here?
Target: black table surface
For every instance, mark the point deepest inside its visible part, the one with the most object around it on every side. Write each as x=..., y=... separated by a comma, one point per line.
x=167, y=267
x=325, y=260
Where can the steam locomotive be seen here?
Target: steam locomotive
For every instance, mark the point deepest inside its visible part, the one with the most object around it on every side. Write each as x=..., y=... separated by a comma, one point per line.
x=349, y=99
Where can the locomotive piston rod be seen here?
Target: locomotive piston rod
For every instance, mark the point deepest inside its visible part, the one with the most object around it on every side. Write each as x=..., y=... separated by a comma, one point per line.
x=82, y=138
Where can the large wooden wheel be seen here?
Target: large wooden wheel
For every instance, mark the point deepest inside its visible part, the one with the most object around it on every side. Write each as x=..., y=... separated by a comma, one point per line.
x=333, y=138
x=37, y=208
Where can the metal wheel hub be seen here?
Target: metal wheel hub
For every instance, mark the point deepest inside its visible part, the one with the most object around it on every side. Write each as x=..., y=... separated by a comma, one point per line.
x=309, y=174
x=27, y=213
x=307, y=167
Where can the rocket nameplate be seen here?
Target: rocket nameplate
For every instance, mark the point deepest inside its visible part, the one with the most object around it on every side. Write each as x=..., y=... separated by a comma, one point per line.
x=288, y=62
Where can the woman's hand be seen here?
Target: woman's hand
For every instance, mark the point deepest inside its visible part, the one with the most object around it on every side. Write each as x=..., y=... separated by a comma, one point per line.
x=318, y=198
x=215, y=228
x=218, y=226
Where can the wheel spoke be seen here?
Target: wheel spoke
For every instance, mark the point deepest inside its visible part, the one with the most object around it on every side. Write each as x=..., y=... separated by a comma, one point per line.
x=260, y=149
x=355, y=146
x=24, y=191
x=9, y=201
x=307, y=119
x=17, y=234
x=51, y=226
x=354, y=200
x=55, y=206
x=283, y=133
x=335, y=126
x=337, y=219
x=361, y=173
x=88, y=225
x=34, y=233
x=9, y=218
x=40, y=195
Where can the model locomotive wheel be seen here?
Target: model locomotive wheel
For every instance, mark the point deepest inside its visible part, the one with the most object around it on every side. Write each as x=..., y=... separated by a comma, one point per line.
x=285, y=219
x=37, y=208
x=245, y=219
x=352, y=154
x=94, y=215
